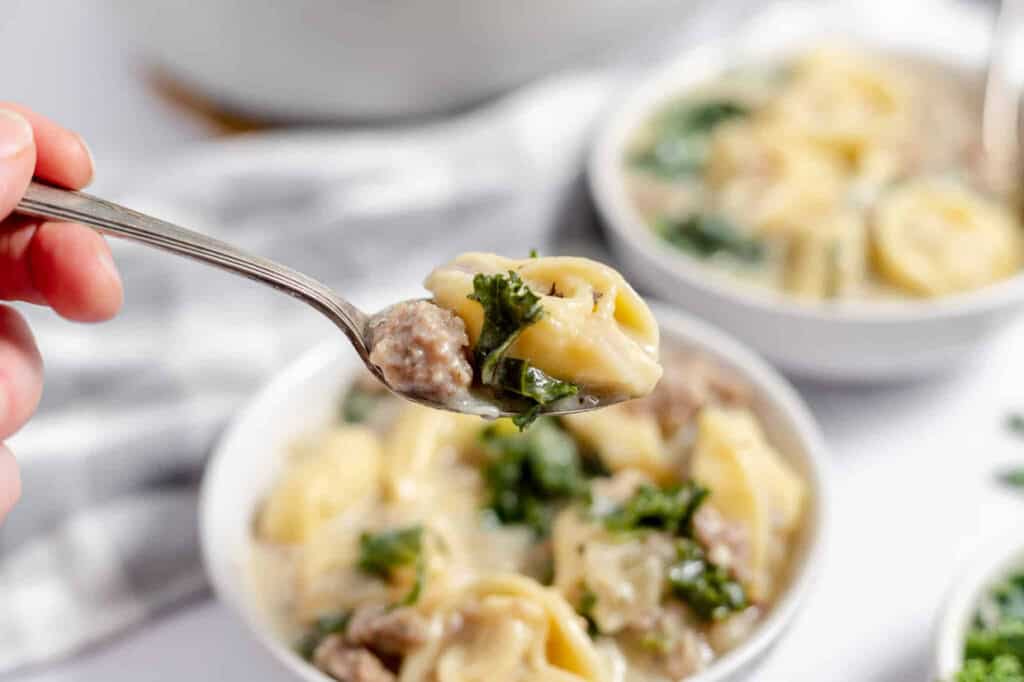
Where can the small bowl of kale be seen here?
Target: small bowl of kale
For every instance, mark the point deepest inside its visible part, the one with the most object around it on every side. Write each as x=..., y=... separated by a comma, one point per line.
x=981, y=633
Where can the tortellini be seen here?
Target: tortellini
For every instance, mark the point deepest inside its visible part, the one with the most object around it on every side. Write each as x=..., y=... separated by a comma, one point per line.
x=624, y=440
x=345, y=471
x=934, y=237
x=514, y=630
x=750, y=485
x=826, y=257
x=595, y=330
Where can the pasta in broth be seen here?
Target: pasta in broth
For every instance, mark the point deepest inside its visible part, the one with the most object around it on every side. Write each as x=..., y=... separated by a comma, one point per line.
x=835, y=176
x=463, y=550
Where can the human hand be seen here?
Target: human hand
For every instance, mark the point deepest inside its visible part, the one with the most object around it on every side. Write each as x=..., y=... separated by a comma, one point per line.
x=65, y=266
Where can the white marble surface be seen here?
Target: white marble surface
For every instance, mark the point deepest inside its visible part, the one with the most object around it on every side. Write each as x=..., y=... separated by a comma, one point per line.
x=914, y=465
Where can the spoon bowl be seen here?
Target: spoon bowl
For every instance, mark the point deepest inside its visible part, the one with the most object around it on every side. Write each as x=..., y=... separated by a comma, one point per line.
x=45, y=201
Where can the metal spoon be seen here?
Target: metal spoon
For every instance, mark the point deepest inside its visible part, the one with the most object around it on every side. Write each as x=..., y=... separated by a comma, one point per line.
x=1000, y=126
x=44, y=201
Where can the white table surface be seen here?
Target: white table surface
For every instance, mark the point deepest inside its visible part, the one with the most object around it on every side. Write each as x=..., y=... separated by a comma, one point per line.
x=913, y=464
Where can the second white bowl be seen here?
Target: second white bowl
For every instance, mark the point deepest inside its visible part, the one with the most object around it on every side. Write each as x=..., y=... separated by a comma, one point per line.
x=866, y=341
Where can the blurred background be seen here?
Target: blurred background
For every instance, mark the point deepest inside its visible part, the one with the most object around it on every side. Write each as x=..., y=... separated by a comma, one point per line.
x=361, y=141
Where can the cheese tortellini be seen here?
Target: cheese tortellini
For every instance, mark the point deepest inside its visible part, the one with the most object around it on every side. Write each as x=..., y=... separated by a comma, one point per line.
x=824, y=178
x=595, y=330
x=516, y=631
x=935, y=237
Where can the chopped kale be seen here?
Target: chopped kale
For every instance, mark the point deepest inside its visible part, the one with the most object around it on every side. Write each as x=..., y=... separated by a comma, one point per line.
x=1012, y=477
x=588, y=600
x=522, y=378
x=359, y=404
x=1004, y=639
x=707, y=589
x=707, y=235
x=1015, y=423
x=321, y=629
x=665, y=509
x=530, y=474
x=1000, y=669
x=509, y=308
x=680, y=148
x=381, y=553
x=994, y=647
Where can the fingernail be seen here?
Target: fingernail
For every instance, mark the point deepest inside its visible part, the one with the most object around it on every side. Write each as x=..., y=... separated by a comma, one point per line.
x=92, y=159
x=15, y=133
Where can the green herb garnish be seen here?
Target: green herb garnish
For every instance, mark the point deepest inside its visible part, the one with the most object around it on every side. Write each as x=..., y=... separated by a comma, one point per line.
x=707, y=589
x=680, y=147
x=509, y=308
x=1000, y=669
x=531, y=473
x=1012, y=477
x=321, y=629
x=665, y=509
x=994, y=647
x=707, y=235
x=381, y=553
x=1015, y=423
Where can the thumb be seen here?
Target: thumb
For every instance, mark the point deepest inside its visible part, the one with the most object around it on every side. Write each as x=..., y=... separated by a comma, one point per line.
x=17, y=159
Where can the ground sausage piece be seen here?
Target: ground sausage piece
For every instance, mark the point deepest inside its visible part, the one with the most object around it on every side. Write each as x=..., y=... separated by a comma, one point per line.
x=690, y=382
x=421, y=349
x=726, y=542
x=350, y=664
x=392, y=632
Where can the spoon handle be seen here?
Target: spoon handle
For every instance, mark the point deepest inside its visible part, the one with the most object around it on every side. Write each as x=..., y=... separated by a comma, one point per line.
x=44, y=201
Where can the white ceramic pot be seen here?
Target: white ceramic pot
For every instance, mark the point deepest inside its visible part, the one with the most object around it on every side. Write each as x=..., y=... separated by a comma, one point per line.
x=304, y=398
x=858, y=341
x=330, y=59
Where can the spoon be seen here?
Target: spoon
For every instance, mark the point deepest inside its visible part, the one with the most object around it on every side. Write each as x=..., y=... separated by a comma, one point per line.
x=1000, y=124
x=44, y=201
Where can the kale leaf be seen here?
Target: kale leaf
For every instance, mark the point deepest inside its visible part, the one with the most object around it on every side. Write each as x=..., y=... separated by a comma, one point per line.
x=1006, y=638
x=529, y=474
x=706, y=235
x=680, y=148
x=1000, y=669
x=1015, y=423
x=524, y=379
x=359, y=403
x=666, y=509
x=707, y=589
x=509, y=308
x=321, y=630
x=588, y=601
x=381, y=553
x=1012, y=477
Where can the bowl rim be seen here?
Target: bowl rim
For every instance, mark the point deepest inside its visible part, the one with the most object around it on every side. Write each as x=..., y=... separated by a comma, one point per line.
x=994, y=563
x=767, y=382
x=697, y=65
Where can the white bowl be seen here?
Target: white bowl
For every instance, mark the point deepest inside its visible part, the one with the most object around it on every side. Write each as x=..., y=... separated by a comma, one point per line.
x=993, y=565
x=317, y=59
x=304, y=397
x=857, y=341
